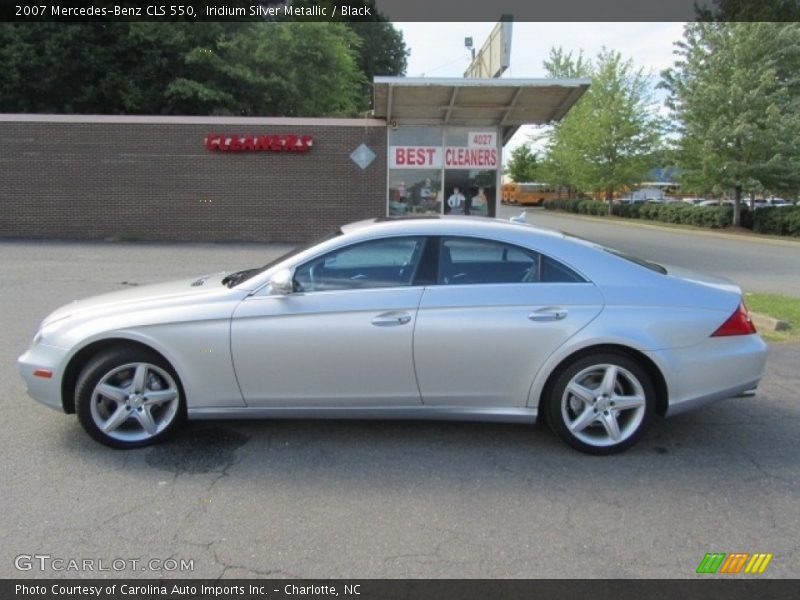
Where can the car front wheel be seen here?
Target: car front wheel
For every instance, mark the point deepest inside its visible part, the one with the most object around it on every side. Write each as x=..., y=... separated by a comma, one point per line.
x=128, y=397
x=601, y=404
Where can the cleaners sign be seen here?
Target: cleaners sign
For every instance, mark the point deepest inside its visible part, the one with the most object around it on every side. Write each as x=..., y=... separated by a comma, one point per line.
x=481, y=153
x=232, y=142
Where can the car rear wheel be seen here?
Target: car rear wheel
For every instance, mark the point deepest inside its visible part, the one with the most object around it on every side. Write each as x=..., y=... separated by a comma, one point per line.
x=601, y=404
x=128, y=397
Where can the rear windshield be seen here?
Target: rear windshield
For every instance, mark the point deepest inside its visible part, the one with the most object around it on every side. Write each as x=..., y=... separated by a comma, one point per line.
x=636, y=260
x=624, y=255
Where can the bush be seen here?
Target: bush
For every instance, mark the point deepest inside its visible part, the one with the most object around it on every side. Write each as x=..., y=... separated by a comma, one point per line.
x=577, y=206
x=777, y=220
x=630, y=211
x=774, y=220
x=648, y=211
x=680, y=213
x=592, y=207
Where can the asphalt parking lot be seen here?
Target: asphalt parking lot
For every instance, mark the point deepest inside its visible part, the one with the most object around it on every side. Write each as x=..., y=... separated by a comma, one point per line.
x=376, y=499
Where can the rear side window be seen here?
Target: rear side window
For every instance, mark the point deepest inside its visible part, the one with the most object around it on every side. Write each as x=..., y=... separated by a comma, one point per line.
x=476, y=261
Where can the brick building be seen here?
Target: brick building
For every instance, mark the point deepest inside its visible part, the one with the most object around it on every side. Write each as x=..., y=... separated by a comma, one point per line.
x=266, y=179
x=152, y=178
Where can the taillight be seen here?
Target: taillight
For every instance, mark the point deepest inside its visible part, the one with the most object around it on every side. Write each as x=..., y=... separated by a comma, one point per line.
x=739, y=323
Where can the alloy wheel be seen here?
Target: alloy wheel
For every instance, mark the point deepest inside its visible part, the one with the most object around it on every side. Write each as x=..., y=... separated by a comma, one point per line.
x=134, y=402
x=603, y=405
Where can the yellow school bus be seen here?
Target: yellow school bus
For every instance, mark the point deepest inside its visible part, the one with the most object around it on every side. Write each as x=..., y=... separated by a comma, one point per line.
x=529, y=194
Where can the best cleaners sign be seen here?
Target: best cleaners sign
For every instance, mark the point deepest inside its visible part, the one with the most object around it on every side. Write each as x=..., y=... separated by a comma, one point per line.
x=481, y=153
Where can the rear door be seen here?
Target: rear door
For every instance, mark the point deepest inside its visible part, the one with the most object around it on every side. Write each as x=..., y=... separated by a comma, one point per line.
x=495, y=314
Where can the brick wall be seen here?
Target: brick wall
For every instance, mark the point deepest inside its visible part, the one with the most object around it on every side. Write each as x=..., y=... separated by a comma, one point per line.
x=152, y=179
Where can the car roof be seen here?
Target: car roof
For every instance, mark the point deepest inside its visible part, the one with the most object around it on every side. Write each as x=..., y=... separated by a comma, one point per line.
x=591, y=260
x=447, y=225
x=583, y=256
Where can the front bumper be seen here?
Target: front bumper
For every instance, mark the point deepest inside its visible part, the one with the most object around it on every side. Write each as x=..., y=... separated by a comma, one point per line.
x=45, y=390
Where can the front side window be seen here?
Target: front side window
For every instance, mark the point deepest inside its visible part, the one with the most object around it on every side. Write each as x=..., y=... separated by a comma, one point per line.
x=475, y=261
x=375, y=264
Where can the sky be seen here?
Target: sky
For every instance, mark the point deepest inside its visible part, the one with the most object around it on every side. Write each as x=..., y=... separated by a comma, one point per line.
x=437, y=49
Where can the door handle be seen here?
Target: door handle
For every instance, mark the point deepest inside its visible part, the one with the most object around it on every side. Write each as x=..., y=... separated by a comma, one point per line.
x=548, y=314
x=391, y=318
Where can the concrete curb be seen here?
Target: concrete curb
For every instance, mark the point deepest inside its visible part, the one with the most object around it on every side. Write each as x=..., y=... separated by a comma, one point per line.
x=767, y=323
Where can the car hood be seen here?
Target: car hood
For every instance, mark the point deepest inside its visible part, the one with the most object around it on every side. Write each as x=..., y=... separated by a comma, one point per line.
x=142, y=297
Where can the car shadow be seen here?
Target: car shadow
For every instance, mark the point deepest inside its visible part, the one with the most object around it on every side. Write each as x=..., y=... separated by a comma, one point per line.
x=728, y=440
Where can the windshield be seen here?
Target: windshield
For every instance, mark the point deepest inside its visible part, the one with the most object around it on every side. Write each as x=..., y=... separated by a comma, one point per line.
x=242, y=276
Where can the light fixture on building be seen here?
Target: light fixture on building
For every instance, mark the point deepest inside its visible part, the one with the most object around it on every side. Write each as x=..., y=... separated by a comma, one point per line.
x=469, y=46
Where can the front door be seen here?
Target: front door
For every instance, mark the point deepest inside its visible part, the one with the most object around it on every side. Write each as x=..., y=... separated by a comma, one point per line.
x=344, y=338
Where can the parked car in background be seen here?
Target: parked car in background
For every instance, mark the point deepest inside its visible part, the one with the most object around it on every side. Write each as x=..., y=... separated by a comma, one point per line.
x=762, y=203
x=463, y=318
x=629, y=200
x=645, y=194
x=723, y=202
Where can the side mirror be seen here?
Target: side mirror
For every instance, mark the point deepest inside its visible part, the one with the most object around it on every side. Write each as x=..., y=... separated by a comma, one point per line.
x=282, y=282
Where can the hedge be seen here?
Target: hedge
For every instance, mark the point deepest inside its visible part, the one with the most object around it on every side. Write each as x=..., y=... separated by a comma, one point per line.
x=772, y=220
x=779, y=220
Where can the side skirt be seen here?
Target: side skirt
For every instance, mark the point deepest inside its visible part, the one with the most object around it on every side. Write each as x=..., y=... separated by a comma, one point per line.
x=434, y=413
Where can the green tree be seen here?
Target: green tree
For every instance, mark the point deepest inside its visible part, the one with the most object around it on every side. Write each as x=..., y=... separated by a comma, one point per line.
x=747, y=10
x=281, y=68
x=557, y=168
x=99, y=67
x=523, y=164
x=256, y=68
x=735, y=94
x=610, y=138
x=562, y=64
x=49, y=67
x=381, y=51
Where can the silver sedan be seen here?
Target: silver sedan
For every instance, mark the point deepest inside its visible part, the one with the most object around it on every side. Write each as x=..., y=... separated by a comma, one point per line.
x=414, y=318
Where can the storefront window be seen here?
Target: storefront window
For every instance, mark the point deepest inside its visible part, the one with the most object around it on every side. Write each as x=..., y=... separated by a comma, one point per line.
x=415, y=191
x=436, y=170
x=414, y=135
x=415, y=170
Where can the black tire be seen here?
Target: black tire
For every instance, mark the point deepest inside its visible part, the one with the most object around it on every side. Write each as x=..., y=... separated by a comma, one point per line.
x=117, y=368
x=587, y=421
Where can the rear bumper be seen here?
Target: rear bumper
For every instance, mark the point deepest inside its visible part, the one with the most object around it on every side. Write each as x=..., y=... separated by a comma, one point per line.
x=741, y=391
x=719, y=368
